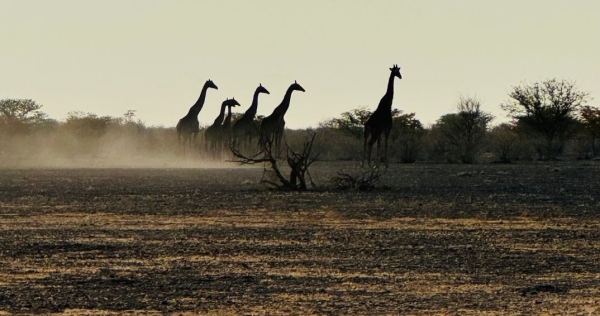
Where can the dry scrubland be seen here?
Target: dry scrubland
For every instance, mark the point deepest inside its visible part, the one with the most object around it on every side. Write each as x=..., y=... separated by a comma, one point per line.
x=436, y=239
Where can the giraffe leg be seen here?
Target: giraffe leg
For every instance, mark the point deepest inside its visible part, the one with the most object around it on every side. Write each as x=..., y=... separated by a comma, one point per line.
x=370, y=152
x=249, y=143
x=371, y=143
x=378, y=149
x=364, y=150
x=260, y=142
x=366, y=138
x=278, y=143
x=385, y=149
x=185, y=141
x=221, y=146
x=214, y=149
x=206, y=143
x=179, y=143
x=215, y=144
x=193, y=145
x=178, y=129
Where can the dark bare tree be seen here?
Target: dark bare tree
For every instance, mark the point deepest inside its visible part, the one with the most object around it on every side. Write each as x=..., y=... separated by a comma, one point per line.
x=503, y=142
x=465, y=130
x=298, y=163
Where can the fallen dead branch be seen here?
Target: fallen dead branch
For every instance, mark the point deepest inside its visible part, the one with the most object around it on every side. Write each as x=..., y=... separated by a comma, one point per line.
x=298, y=162
x=363, y=180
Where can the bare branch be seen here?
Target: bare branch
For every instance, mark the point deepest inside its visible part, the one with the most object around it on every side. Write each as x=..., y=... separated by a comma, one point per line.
x=364, y=180
x=298, y=163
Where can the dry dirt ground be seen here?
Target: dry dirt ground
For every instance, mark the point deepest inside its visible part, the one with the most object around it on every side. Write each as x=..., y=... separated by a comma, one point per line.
x=435, y=239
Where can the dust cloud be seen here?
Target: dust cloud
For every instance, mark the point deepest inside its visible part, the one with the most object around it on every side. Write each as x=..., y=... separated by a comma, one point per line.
x=115, y=148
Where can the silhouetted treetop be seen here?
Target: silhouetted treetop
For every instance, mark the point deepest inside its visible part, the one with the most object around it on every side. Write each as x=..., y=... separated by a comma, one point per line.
x=465, y=130
x=548, y=108
x=21, y=110
x=548, y=101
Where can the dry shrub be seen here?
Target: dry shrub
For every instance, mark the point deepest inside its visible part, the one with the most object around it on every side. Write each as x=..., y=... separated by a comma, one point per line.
x=361, y=179
x=298, y=162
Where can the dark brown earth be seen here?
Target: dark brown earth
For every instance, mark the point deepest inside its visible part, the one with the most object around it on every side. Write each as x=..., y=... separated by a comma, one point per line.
x=436, y=239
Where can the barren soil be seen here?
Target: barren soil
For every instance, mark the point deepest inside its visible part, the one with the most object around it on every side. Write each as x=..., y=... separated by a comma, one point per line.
x=435, y=239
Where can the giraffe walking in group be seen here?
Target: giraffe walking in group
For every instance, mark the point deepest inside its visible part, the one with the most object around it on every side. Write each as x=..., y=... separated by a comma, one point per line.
x=221, y=133
x=188, y=127
x=226, y=129
x=380, y=122
x=245, y=128
x=213, y=136
x=272, y=126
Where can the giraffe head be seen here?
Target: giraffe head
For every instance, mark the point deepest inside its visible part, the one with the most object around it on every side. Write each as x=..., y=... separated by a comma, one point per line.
x=262, y=89
x=396, y=71
x=296, y=86
x=210, y=84
x=231, y=102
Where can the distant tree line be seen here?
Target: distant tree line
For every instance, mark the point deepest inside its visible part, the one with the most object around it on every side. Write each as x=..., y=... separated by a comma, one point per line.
x=549, y=120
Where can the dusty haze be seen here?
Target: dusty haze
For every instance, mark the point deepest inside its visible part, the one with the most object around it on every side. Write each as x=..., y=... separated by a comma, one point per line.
x=117, y=148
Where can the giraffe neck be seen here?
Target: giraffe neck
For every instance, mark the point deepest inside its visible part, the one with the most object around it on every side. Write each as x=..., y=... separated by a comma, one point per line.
x=282, y=108
x=388, y=97
x=227, y=121
x=195, y=109
x=219, y=119
x=251, y=112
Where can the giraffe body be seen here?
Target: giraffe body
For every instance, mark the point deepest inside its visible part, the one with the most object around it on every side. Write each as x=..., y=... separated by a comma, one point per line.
x=214, y=134
x=226, y=128
x=245, y=129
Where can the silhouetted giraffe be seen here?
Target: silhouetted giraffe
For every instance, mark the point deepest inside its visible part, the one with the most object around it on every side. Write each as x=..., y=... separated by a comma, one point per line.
x=212, y=135
x=226, y=129
x=245, y=128
x=189, y=125
x=272, y=126
x=380, y=122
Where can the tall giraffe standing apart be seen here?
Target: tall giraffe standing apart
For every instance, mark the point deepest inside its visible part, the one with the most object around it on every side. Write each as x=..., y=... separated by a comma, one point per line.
x=380, y=122
x=212, y=135
x=272, y=126
x=245, y=128
x=189, y=126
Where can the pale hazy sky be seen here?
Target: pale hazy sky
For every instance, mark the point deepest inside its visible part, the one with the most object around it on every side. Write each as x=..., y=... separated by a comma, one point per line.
x=153, y=56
